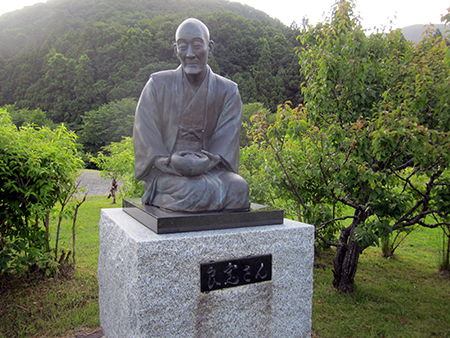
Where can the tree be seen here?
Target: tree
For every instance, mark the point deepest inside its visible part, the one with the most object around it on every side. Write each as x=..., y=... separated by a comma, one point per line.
x=107, y=124
x=369, y=153
x=58, y=80
x=385, y=85
x=278, y=168
x=249, y=110
x=21, y=117
x=38, y=167
x=84, y=83
x=263, y=74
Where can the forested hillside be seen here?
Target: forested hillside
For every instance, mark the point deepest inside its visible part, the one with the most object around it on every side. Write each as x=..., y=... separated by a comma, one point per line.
x=68, y=57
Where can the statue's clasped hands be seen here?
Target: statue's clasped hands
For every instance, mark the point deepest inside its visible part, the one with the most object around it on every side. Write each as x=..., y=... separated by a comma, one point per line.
x=187, y=163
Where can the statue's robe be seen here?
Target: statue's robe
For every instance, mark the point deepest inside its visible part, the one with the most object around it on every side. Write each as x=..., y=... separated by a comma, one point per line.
x=171, y=116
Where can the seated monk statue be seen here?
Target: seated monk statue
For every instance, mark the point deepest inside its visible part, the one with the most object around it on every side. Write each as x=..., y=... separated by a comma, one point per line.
x=186, y=132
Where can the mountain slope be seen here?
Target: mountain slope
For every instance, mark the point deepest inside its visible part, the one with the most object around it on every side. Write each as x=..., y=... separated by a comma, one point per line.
x=28, y=28
x=415, y=33
x=68, y=57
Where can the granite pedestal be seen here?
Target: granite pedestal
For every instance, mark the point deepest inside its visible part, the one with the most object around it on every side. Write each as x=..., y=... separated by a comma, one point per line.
x=150, y=284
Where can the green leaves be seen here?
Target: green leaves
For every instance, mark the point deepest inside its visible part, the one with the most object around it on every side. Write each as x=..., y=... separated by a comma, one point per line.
x=118, y=165
x=281, y=166
x=343, y=68
x=370, y=144
x=38, y=167
x=108, y=124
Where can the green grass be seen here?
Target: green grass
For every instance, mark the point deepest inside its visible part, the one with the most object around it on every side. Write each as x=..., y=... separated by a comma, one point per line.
x=51, y=307
x=63, y=306
x=403, y=296
x=87, y=239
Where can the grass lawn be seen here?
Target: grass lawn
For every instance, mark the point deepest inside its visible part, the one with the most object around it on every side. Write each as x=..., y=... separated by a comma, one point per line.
x=403, y=296
x=64, y=306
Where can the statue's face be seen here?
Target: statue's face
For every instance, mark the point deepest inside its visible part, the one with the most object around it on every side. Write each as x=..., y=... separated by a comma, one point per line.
x=193, y=48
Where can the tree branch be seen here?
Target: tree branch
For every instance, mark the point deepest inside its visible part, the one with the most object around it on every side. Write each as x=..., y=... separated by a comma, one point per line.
x=405, y=165
x=326, y=241
x=280, y=161
x=333, y=220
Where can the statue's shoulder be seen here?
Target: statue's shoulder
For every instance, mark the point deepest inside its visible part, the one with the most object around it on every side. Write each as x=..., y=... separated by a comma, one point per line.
x=224, y=83
x=164, y=76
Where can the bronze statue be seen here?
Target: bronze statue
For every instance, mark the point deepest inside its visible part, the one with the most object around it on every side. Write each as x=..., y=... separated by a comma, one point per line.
x=186, y=132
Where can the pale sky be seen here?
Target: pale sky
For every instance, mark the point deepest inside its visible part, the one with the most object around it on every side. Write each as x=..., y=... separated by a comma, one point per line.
x=373, y=13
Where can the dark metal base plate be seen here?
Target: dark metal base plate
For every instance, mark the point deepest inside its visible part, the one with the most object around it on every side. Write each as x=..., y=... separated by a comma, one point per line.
x=163, y=221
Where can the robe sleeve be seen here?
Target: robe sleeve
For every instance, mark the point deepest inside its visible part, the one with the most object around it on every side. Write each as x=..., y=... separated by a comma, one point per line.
x=225, y=139
x=147, y=132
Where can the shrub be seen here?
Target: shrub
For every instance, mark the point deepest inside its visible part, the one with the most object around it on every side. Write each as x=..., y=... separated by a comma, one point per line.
x=38, y=168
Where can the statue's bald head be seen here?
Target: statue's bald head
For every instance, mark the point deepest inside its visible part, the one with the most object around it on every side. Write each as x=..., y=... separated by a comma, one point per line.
x=193, y=48
x=192, y=26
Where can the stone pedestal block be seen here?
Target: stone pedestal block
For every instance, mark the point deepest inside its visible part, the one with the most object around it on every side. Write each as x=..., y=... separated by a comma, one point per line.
x=150, y=285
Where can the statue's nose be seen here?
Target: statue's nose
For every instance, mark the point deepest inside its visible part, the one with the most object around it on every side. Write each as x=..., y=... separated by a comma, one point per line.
x=190, y=53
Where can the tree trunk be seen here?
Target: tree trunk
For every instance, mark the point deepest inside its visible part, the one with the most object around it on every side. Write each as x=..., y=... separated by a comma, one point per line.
x=346, y=258
x=47, y=230
x=73, y=227
x=445, y=265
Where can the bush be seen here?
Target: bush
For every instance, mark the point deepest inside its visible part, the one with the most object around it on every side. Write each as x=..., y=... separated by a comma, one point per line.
x=38, y=168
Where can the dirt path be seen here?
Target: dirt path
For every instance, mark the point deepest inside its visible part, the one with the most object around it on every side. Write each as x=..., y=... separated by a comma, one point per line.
x=95, y=185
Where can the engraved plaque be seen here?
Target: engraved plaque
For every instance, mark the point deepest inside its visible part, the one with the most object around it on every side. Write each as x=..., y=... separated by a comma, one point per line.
x=235, y=272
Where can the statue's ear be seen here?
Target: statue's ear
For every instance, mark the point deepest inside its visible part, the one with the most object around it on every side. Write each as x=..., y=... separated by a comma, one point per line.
x=175, y=48
x=210, y=47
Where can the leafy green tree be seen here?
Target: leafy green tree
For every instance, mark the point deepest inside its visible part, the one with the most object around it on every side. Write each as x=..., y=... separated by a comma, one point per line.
x=278, y=167
x=381, y=174
x=59, y=79
x=107, y=124
x=263, y=74
x=38, y=167
x=21, y=117
x=85, y=74
x=248, y=111
x=369, y=151
x=247, y=87
x=344, y=69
